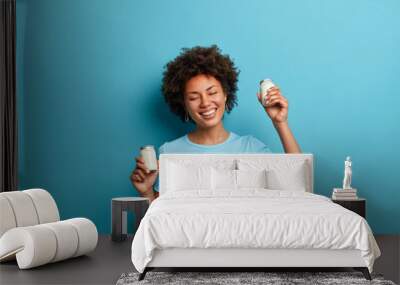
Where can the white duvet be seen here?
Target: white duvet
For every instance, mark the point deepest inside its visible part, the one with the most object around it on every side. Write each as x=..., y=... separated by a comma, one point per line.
x=252, y=218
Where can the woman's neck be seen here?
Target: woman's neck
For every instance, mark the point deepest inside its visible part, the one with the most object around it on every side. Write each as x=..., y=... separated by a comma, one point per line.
x=209, y=136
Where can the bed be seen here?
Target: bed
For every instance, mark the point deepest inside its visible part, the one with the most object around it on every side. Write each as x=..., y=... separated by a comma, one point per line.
x=247, y=210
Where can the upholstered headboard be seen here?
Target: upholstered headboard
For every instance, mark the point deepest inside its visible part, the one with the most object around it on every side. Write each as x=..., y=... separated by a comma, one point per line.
x=283, y=171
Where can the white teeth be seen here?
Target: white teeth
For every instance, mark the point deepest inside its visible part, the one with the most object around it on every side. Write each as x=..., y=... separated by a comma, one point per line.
x=208, y=113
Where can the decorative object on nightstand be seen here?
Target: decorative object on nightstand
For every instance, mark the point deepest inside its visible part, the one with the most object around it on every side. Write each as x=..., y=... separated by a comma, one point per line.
x=347, y=192
x=347, y=173
x=347, y=196
x=358, y=205
x=120, y=206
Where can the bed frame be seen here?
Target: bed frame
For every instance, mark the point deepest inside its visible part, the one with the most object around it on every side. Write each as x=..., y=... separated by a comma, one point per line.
x=244, y=259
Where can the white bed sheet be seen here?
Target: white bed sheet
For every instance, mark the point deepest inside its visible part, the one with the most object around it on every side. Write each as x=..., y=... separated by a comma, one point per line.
x=250, y=218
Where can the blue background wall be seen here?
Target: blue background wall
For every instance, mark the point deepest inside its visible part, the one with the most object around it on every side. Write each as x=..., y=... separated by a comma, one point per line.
x=89, y=76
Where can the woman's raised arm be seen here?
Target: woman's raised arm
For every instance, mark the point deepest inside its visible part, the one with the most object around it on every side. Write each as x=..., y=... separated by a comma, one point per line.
x=277, y=109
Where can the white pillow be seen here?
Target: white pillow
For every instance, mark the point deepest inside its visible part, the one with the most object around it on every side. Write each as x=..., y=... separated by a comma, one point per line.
x=229, y=179
x=188, y=177
x=294, y=178
x=224, y=164
x=251, y=178
x=281, y=174
x=223, y=179
x=290, y=179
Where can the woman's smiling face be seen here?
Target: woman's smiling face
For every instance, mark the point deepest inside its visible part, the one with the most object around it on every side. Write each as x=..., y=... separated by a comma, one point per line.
x=204, y=100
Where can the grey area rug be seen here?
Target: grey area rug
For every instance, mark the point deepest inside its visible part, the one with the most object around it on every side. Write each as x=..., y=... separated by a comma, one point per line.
x=229, y=278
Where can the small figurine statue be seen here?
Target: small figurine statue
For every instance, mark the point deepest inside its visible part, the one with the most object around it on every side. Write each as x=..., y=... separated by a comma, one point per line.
x=347, y=174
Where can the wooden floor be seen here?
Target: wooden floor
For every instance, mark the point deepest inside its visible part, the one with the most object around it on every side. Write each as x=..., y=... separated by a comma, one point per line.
x=103, y=266
x=111, y=259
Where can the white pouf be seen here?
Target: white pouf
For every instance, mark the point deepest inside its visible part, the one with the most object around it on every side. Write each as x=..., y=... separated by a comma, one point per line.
x=31, y=232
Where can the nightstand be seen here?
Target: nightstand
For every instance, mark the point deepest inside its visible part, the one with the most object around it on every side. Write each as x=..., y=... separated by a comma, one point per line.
x=358, y=206
x=119, y=208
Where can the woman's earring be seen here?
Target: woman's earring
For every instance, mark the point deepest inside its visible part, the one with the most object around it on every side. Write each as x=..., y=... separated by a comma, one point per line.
x=186, y=117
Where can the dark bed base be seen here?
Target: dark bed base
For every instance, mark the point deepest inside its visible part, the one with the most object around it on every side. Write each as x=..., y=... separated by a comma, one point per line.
x=364, y=270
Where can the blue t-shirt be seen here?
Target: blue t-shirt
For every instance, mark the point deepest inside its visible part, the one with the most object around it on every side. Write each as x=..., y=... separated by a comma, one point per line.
x=234, y=144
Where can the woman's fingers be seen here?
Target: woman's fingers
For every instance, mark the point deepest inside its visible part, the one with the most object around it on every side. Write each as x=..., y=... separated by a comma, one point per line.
x=281, y=101
x=140, y=173
x=140, y=164
x=273, y=92
x=143, y=167
x=277, y=97
x=139, y=160
x=274, y=96
x=136, y=178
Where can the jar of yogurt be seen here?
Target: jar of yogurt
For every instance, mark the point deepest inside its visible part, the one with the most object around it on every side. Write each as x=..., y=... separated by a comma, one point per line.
x=265, y=84
x=149, y=156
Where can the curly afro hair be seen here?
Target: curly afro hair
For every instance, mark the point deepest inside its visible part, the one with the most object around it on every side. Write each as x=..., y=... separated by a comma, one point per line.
x=192, y=62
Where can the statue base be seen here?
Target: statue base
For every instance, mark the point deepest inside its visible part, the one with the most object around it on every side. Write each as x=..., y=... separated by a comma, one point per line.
x=344, y=194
